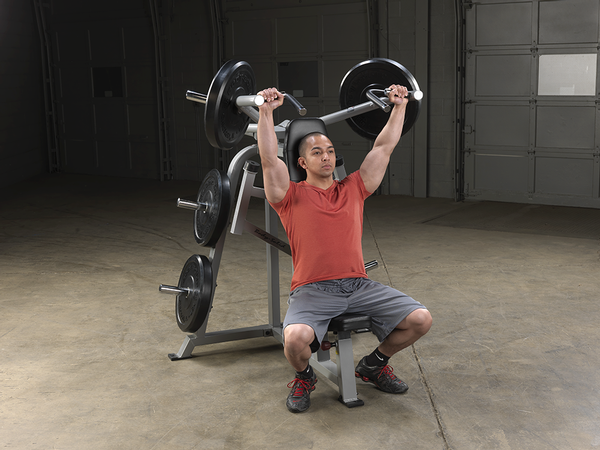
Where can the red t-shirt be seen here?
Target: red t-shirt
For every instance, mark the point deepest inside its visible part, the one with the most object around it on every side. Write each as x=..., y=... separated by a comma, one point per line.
x=325, y=228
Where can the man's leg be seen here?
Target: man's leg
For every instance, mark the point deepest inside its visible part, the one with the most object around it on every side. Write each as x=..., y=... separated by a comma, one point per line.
x=374, y=367
x=298, y=338
x=407, y=332
x=311, y=307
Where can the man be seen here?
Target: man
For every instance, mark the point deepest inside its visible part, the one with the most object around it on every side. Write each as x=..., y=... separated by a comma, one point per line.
x=323, y=220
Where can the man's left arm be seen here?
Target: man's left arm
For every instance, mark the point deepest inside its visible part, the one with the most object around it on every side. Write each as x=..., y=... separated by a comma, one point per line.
x=375, y=163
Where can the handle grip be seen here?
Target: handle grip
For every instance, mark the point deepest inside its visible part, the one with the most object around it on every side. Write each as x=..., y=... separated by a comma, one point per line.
x=295, y=103
x=412, y=95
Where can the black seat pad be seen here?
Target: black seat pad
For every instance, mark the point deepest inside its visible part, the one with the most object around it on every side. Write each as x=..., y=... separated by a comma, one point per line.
x=349, y=322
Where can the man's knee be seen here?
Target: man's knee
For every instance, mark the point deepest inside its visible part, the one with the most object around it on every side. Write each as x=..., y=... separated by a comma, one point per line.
x=420, y=321
x=298, y=337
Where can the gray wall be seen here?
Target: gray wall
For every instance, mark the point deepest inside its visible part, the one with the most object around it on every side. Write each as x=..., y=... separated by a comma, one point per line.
x=531, y=102
x=192, y=67
x=191, y=59
x=106, y=87
x=442, y=99
x=22, y=128
x=426, y=46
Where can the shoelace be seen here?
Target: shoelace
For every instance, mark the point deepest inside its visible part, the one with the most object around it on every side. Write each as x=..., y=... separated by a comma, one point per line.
x=300, y=385
x=387, y=370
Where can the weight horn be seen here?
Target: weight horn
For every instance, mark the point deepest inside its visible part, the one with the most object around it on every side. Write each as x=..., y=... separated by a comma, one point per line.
x=211, y=208
x=194, y=293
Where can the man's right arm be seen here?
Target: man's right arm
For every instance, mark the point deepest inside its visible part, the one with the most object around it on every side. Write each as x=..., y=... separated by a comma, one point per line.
x=275, y=173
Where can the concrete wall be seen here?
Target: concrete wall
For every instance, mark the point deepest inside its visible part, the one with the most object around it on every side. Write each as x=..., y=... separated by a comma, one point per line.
x=190, y=53
x=191, y=64
x=442, y=101
x=400, y=40
x=106, y=88
x=22, y=129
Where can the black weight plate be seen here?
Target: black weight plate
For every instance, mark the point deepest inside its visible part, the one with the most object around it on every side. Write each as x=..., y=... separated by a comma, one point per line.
x=376, y=73
x=210, y=223
x=192, y=309
x=225, y=126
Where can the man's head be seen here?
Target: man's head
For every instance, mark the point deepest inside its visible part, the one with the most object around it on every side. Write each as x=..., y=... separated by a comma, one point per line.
x=306, y=142
x=316, y=155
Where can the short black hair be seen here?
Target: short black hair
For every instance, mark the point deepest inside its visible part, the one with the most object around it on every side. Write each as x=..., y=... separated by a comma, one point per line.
x=302, y=143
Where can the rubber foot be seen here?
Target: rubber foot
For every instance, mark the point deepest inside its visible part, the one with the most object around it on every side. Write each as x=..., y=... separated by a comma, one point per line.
x=351, y=403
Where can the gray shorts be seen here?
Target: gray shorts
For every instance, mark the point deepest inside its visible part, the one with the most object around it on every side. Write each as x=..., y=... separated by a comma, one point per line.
x=315, y=304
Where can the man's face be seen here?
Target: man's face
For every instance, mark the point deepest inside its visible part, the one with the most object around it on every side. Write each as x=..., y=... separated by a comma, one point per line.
x=319, y=156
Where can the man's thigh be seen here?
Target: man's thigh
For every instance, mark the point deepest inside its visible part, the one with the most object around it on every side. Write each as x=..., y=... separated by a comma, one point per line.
x=314, y=307
x=386, y=306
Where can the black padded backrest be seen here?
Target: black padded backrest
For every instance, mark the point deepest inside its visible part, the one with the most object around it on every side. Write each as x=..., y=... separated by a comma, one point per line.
x=295, y=131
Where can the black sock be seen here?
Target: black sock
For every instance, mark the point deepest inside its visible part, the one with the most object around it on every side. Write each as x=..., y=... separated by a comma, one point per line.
x=306, y=373
x=377, y=359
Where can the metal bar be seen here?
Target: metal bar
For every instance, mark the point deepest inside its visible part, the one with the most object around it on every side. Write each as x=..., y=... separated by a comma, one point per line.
x=194, y=206
x=295, y=103
x=194, y=340
x=327, y=368
x=166, y=169
x=279, y=129
x=249, y=100
x=236, y=335
x=267, y=237
x=385, y=107
x=412, y=95
x=345, y=368
x=371, y=264
x=272, y=225
x=250, y=112
x=52, y=134
x=347, y=113
x=195, y=97
x=173, y=289
x=340, y=168
x=246, y=191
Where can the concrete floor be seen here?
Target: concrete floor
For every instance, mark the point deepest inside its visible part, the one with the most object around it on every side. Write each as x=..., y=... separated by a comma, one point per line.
x=511, y=361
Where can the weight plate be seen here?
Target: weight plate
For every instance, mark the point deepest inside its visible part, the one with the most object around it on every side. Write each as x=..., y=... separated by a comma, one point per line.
x=224, y=124
x=192, y=309
x=210, y=222
x=376, y=73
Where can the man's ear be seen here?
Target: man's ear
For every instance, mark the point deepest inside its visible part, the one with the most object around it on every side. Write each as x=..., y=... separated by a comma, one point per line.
x=302, y=162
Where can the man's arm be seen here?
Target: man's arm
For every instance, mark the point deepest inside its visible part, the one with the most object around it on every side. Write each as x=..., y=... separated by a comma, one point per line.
x=275, y=173
x=375, y=164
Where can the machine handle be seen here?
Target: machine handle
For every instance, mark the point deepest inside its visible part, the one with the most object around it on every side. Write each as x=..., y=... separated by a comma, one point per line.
x=295, y=103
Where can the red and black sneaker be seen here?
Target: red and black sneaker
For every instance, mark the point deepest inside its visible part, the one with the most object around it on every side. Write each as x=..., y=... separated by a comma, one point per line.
x=298, y=399
x=381, y=377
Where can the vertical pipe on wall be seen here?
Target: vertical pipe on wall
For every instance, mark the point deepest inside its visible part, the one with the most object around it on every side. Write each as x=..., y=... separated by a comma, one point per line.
x=459, y=103
x=48, y=85
x=217, y=28
x=374, y=23
x=218, y=60
x=421, y=127
x=166, y=166
x=369, y=29
x=387, y=28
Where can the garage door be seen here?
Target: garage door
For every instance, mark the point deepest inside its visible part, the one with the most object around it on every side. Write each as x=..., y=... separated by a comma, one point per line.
x=531, y=102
